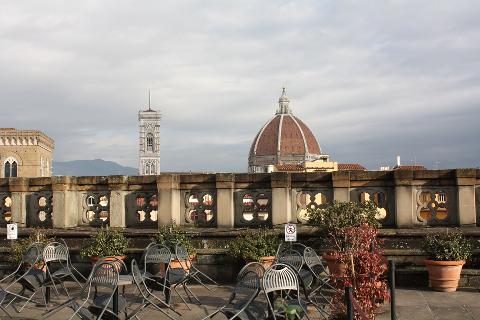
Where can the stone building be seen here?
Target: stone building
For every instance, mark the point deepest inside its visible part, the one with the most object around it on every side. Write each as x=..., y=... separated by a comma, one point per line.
x=149, y=142
x=284, y=140
x=25, y=153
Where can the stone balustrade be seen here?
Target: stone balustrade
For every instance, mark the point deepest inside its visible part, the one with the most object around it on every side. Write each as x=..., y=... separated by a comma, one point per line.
x=405, y=199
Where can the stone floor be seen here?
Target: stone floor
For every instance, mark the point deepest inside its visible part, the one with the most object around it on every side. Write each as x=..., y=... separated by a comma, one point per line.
x=411, y=304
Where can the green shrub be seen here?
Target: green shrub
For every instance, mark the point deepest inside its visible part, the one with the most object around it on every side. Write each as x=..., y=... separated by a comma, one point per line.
x=106, y=242
x=449, y=246
x=171, y=234
x=19, y=247
x=254, y=244
x=333, y=220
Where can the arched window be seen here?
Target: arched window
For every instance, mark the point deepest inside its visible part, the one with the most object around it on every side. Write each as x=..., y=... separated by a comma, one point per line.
x=150, y=142
x=7, y=169
x=14, y=169
x=152, y=168
x=147, y=168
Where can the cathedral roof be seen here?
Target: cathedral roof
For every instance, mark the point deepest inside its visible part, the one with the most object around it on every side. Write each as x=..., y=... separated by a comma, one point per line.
x=284, y=134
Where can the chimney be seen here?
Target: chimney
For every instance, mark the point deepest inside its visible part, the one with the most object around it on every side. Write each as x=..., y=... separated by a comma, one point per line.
x=398, y=161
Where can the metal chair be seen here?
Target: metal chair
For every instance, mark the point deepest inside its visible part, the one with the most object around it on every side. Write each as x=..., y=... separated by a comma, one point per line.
x=57, y=259
x=28, y=276
x=320, y=291
x=283, y=246
x=290, y=257
x=282, y=281
x=241, y=303
x=88, y=305
x=181, y=254
x=256, y=267
x=148, y=297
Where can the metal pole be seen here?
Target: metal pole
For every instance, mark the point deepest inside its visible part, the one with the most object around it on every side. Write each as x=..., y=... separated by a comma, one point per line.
x=349, y=302
x=391, y=282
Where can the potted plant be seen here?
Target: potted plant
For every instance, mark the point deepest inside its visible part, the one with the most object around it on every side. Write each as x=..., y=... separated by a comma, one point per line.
x=255, y=245
x=171, y=234
x=332, y=223
x=448, y=253
x=19, y=247
x=106, y=242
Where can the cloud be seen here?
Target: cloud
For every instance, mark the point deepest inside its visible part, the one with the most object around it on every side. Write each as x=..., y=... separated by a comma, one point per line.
x=371, y=79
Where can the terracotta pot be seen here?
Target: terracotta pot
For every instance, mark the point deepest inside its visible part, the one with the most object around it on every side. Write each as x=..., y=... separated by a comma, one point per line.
x=176, y=264
x=444, y=275
x=94, y=259
x=267, y=261
x=335, y=266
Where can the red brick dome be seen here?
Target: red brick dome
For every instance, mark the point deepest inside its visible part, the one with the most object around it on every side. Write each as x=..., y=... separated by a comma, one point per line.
x=283, y=139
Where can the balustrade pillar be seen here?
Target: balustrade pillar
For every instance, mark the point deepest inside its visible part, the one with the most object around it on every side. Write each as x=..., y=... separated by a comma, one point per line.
x=225, y=184
x=18, y=187
x=65, y=202
x=281, y=198
x=118, y=186
x=465, y=179
x=169, y=210
x=341, y=186
x=405, y=201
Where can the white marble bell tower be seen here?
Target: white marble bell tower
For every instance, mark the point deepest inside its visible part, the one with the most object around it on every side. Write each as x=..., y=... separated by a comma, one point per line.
x=149, y=144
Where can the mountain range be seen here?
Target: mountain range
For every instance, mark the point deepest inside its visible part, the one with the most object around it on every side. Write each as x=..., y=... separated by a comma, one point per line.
x=96, y=167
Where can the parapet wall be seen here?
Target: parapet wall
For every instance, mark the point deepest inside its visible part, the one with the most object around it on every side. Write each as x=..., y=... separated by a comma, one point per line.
x=406, y=199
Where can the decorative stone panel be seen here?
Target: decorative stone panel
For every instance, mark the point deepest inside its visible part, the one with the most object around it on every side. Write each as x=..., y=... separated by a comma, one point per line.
x=436, y=206
x=253, y=208
x=5, y=208
x=141, y=210
x=96, y=208
x=383, y=198
x=200, y=208
x=313, y=199
x=39, y=209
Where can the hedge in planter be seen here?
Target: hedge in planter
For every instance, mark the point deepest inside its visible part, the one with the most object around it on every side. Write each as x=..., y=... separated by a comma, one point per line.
x=448, y=253
x=253, y=245
x=106, y=242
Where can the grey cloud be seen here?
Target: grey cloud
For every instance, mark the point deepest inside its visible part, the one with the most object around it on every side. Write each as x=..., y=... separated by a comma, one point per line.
x=371, y=79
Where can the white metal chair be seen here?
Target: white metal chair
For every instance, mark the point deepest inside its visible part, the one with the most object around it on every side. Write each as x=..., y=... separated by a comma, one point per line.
x=281, y=281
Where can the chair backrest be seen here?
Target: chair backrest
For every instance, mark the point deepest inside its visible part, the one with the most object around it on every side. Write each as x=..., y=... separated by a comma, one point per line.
x=279, y=277
x=55, y=251
x=138, y=279
x=181, y=252
x=105, y=274
x=156, y=253
x=33, y=254
x=292, y=258
x=117, y=263
x=256, y=267
x=247, y=287
x=284, y=246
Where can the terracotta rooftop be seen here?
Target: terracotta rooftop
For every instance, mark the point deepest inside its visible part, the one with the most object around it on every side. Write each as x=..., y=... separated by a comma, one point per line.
x=351, y=166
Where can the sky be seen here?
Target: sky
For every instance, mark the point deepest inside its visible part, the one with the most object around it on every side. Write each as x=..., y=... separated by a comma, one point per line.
x=372, y=79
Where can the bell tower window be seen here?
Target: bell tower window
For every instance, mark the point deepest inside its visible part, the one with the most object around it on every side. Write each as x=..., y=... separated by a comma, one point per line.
x=150, y=142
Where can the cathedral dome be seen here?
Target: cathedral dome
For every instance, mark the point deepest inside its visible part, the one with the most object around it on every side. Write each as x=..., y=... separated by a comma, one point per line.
x=283, y=139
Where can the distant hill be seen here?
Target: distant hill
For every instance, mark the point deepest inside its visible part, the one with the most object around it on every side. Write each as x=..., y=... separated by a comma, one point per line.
x=97, y=167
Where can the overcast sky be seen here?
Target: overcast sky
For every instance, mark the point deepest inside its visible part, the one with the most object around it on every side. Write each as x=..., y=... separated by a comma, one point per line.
x=372, y=79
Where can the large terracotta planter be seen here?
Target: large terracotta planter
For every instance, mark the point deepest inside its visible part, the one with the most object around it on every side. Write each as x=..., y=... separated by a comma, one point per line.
x=444, y=275
x=94, y=259
x=335, y=266
x=267, y=261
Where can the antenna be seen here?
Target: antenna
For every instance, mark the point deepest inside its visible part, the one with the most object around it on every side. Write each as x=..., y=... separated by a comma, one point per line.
x=149, y=108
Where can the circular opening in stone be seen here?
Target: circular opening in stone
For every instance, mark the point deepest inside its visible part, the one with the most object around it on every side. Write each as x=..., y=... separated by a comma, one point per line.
x=154, y=215
x=303, y=215
x=208, y=215
x=140, y=201
x=90, y=201
x=262, y=201
x=103, y=201
x=207, y=200
x=90, y=215
x=42, y=215
x=141, y=215
x=425, y=214
x=193, y=215
x=248, y=216
x=153, y=201
x=193, y=200
x=381, y=214
x=42, y=201
x=103, y=215
x=262, y=215
x=442, y=213
x=303, y=199
x=8, y=202
x=320, y=199
x=247, y=201
x=7, y=216
x=425, y=197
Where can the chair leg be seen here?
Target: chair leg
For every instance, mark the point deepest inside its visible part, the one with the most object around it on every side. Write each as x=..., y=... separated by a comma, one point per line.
x=185, y=302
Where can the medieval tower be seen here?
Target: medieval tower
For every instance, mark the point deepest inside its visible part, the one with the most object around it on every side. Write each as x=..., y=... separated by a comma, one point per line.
x=149, y=141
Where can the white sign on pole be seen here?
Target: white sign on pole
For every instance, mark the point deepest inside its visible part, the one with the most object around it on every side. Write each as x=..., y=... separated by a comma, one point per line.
x=290, y=232
x=12, y=231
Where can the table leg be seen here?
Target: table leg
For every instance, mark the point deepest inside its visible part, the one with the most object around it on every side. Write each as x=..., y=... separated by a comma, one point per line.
x=47, y=295
x=115, y=301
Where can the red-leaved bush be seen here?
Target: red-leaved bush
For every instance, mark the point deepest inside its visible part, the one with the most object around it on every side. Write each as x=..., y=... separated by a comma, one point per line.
x=365, y=274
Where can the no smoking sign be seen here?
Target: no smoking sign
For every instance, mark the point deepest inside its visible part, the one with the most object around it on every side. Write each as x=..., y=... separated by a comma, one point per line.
x=290, y=232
